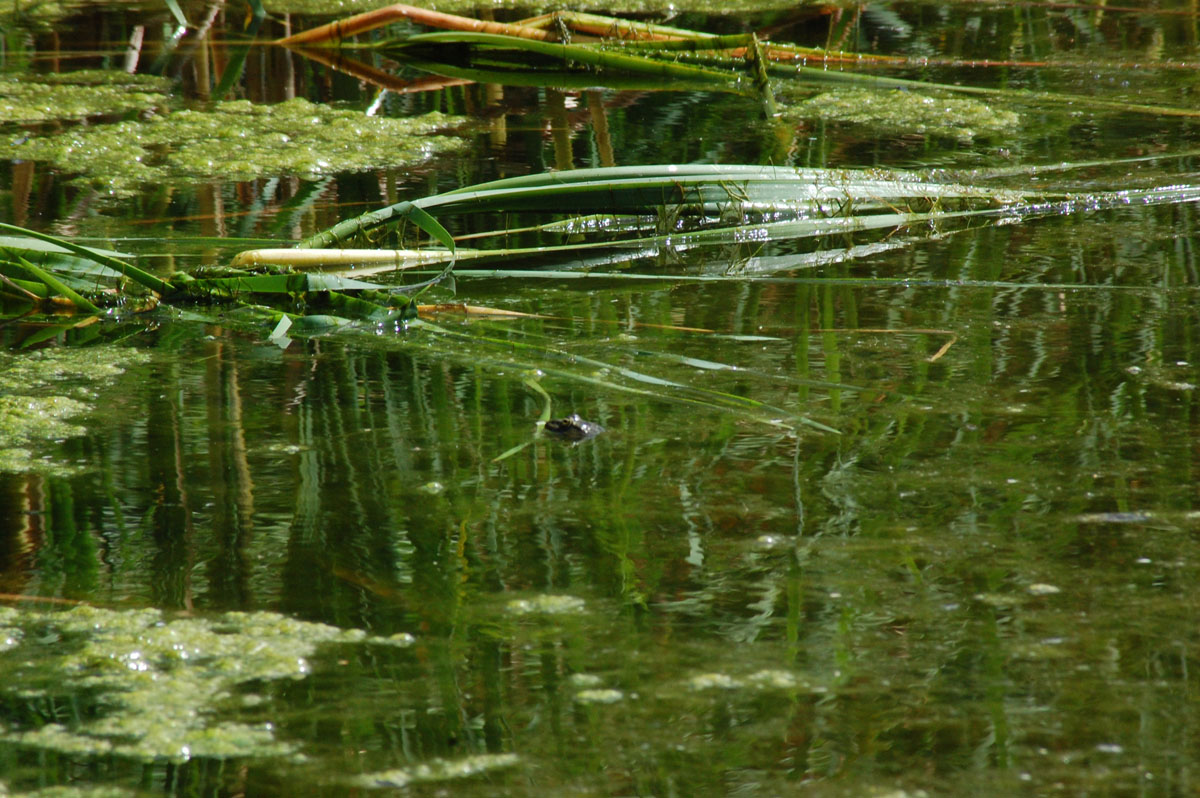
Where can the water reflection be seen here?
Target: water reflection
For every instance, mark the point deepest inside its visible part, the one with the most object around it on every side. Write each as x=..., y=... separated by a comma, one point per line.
x=940, y=597
x=982, y=585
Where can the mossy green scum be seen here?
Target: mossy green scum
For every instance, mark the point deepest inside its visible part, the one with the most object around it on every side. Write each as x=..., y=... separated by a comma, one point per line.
x=159, y=689
x=154, y=143
x=43, y=392
x=907, y=112
x=78, y=95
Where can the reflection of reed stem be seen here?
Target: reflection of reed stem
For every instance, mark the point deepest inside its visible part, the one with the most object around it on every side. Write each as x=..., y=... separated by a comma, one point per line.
x=376, y=76
x=560, y=130
x=595, y=102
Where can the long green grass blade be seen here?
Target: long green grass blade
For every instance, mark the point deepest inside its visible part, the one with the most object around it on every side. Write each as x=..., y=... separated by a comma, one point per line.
x=560, y=79
x=139, y=276
x=705, y=189
x=177, y=12
x=495, y=50
x=56, y=285
x=277, y=284
x=34, y=248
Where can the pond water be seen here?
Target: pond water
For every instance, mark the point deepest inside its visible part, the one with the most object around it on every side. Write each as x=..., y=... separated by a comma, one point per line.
x=351, y=565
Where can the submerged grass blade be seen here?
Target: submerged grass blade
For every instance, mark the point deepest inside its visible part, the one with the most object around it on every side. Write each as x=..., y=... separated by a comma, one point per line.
x=669, y=390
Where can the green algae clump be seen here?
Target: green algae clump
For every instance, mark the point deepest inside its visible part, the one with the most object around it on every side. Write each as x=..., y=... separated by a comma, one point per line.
x=438, y=770
x=25, y=418
x=236, y=141
x=40, y=392
x=73, y=791
x=906, y=112
x=78, y=95
x=547, y=604
x=155, y=689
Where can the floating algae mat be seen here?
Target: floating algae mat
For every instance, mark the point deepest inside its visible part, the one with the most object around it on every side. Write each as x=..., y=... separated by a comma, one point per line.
x=44, y=392
x=154, y=689
x=438, y=770
x=72, y=791
x=78, y=95
x=906, y=112
x=234, y=141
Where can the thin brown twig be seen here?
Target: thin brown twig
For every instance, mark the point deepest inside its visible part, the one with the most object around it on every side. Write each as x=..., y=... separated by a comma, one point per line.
x=360, y=23
x=28, y=294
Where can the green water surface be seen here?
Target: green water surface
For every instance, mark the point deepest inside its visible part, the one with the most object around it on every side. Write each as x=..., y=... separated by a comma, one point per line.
x=232, y=567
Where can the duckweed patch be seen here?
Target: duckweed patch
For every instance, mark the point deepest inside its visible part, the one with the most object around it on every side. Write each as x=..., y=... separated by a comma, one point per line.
x=27, y=418
x=71, y=791
x=761, y=680
x=40, y=392
x=599, y=696
x=155, y=689
x=56, y=366
x=546, y=605
x=78, y=95
x=237, y=141
x=904, y=112
x=438, y=770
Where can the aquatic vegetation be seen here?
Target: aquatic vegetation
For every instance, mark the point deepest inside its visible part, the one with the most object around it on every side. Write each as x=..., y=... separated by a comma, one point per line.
x=235, y=140
x=907, y=112
x=321, y=9
x=585, y=680
x=547, y=605
x=437, y=770
x=25, y=418
x=44, y=394
x=73, y=791
x=28, y=99
x=758, y=681
x=84, y=369
x=655, y=212
x=766, y=609
x=157, y=688
x=577, y=50
x=599, y=696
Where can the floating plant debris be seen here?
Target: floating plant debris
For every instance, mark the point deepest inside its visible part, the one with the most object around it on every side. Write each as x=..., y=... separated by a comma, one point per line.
x=905, y=112
x=438, y=770
x=155, y=689
x=546, y=605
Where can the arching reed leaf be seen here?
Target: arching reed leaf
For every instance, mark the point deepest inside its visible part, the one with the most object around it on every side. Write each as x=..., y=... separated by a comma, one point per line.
x=58, y=287
x=697, y=189
x=499, y=53
x=36, y=249
x=580, y=80
x=277, y=284
x=139, y=276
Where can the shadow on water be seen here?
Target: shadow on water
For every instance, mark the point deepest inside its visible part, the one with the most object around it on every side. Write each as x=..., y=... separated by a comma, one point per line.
x=984, y=584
